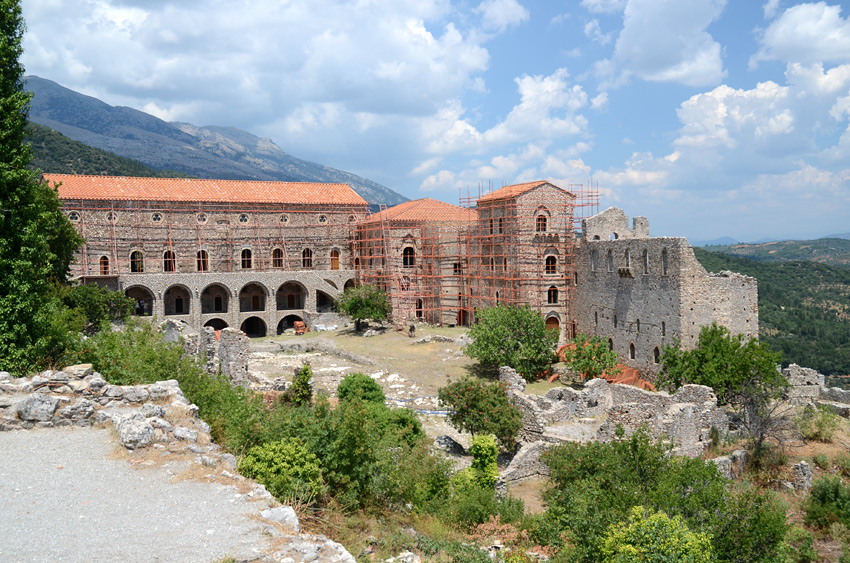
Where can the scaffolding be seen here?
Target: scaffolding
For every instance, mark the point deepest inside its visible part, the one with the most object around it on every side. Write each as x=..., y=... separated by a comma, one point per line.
x=441, y=263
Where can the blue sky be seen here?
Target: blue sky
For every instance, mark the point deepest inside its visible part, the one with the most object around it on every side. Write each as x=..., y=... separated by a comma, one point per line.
x=709, y=117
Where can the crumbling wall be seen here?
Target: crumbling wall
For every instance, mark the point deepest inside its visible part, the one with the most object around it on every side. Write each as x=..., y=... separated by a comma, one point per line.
x=226, y=353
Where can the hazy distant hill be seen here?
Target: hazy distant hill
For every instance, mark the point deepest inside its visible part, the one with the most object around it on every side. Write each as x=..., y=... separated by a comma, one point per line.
x=832, y=251
x=56, y=153
x=804, y=308
x=205, y=152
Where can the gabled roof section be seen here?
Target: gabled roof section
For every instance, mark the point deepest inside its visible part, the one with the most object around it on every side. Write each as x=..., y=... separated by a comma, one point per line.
x=126, y=188
x=514, y=190
x=426, y=209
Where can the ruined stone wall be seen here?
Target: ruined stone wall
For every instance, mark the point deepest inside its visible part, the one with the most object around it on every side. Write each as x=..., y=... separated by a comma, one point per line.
x=644, y=293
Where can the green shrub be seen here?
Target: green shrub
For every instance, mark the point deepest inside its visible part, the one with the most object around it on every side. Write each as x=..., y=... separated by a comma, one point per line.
x=286, y=468
x=361, y=386
x=300, y=393
x=828, y=502
x=798, y=547
x=822, y=461
x=484, y=469
x=842, y=462
x=839, y=532
x=469, y=504
x=817, y=424
x=654, y=537
x=481, y=407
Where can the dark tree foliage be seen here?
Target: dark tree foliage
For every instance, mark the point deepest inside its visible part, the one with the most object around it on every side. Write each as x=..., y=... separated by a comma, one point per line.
x=364, y=302
x=37, y=241
x=360, y=386
x=481, y=407
x=803, y=309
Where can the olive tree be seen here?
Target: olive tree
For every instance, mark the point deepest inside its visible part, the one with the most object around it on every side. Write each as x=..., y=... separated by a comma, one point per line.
x=364, y=302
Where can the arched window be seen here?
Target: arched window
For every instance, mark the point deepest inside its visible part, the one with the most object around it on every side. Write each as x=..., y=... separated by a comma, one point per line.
x=408, y=257
x=631, y=350
x=334, y=259
x=664, y=262
x=628, y=261
x=169, y=262
x=247, y=263
x=656, y=356
x=645, y=261
x=307, y=258
x=541, y=224
x=277, y=258
x=137, y=262
x=104, y=265
x=552, y=296
x=203, y=261
x=593, y=257
x=610, y=261
x=551, y=265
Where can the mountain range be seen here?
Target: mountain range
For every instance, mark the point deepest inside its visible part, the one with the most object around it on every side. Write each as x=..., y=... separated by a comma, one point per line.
x=204, y=152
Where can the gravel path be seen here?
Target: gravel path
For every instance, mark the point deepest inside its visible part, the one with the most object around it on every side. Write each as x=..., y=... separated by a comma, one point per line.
x=63, y=499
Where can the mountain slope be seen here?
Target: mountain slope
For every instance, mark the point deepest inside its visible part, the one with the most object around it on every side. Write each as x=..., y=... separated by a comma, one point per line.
x=832, y=251
x=54, y=152
x=205, y=152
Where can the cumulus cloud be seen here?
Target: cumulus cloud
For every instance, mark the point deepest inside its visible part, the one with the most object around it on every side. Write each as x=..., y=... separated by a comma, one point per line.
x=666, y=41
x=806, y=33
x=604, y=6
x=594, y=32
x=770, y=8
x=498, y=15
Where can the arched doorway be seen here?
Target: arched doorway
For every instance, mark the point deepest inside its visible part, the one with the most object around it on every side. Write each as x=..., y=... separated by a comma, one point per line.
x=217, y=324
x=287, y=322
x=552, y=323
x=176, y=300
x=144, y=300
x=252, y=297
x=214, y=299
x=291, y=295
x=348, y=284
x=324, y=302
x=254, y=327
x=419, y=309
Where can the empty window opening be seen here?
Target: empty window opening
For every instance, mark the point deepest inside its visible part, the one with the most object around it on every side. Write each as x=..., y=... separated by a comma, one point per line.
x=593, y=258
x=408, y=259
x=218, y=304
x=615, y=321
x=663, y=328
x=246, y=259
x=137, y=262
x=611, y=344
x=456, y=268
x=168, y=261
x=656, y=356
x=645, y=262
x=664, y=262
x=614, y=236
x=178, y=305
x=628, y=259
x=595, y=318
x=203, y=261
x=638, y=325
x=631, y=351
x=419, y=309
x=610, y=261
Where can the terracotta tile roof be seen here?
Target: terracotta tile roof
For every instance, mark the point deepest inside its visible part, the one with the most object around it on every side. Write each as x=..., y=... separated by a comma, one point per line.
x=424, y=210
x=124, y=188
x=512, y=191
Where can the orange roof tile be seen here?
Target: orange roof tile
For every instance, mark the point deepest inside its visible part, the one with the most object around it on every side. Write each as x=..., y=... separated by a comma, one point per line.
x=512, y=191
x=426, y=209
x=124, y=188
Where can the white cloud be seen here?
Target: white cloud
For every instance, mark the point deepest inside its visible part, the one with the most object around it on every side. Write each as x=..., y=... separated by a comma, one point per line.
x=600, y=102
x=770, y=8
x=604, y=6
x=593, y=32
x=499, y=15
x=806, y=33
x=444, y=179
x=666, y=41
x=427, y=165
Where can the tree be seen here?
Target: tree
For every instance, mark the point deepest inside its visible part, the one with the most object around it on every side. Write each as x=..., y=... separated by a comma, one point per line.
x=590, y=356
x=37, y=241
x=360, y=386
x=744, y=374
x=479, y=407
x=364, y=302
x=506, y=335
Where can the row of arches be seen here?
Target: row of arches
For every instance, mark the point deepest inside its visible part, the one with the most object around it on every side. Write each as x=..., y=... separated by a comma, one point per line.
x=215, y=298
x=255, y=327
x=202, y=261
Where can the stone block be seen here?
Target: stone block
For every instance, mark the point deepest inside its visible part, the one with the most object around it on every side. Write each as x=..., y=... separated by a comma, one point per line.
x=37, y=407
x=284, y=515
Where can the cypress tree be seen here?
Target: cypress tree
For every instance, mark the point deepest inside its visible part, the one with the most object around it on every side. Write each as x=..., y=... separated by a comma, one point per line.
x=37, y=241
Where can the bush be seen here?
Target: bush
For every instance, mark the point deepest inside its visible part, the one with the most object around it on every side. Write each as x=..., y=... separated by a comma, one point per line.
x=506, y=335
x=286, y=468
x=300, y=393
x=361, y=386
x=364, y=302
x=654, y=537
x=821, y=460
x=842, y=462
x=484, y=470
x=479, y=407
x=96, y=305
x=798, y=547
x=591, y=356
x=828, y=502
x=817, y=424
